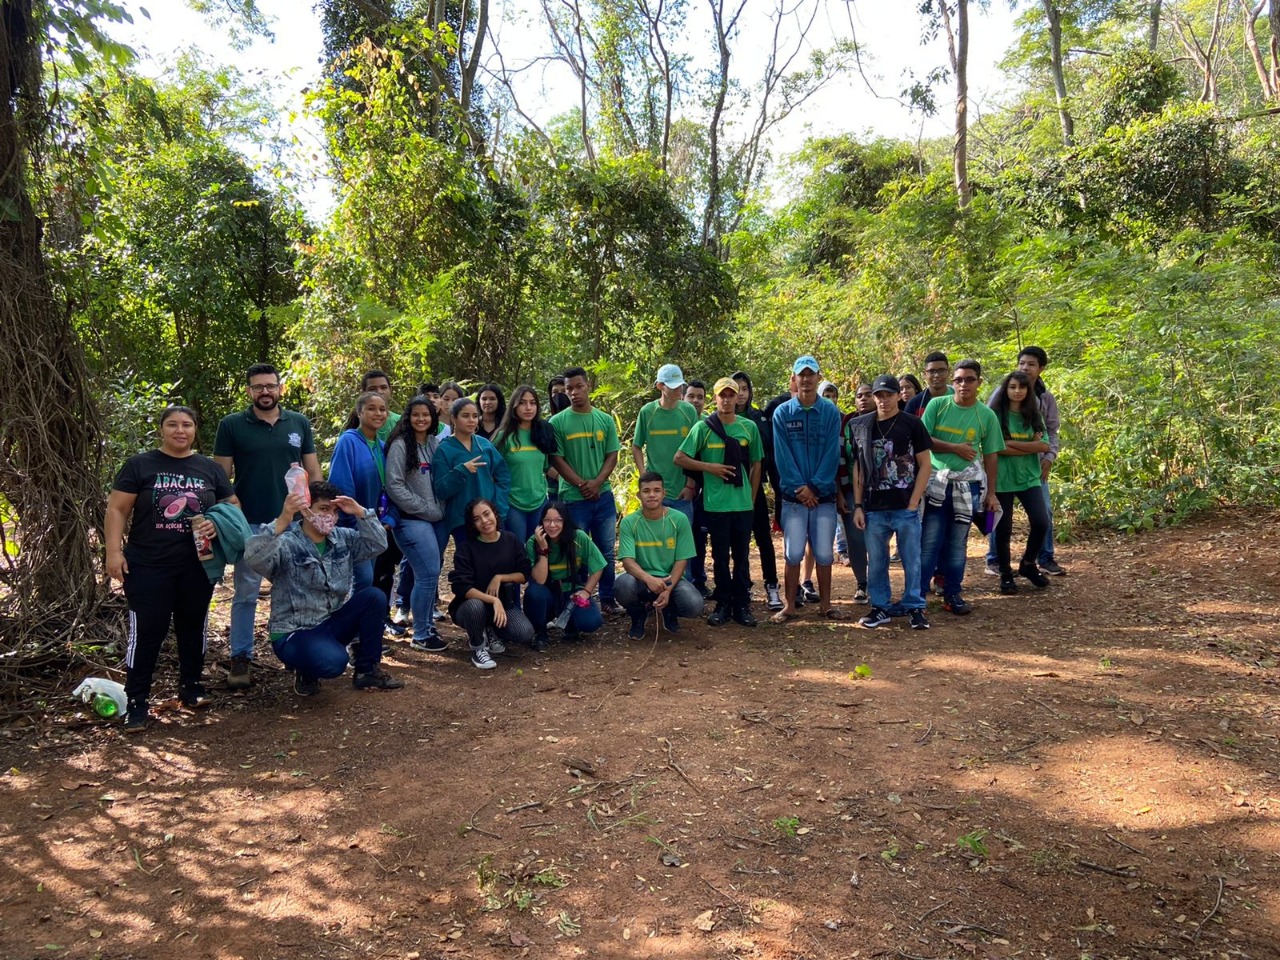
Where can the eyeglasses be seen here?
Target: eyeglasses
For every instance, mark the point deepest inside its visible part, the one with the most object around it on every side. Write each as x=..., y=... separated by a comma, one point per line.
x=964, y=379
x=263, y=387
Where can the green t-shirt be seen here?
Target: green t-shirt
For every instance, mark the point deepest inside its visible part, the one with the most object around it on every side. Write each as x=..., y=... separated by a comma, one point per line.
x=655, y=545
x=977, y=425
x=557, y=566
x=703, y=444
x=1018, y=471
x=660, y=432
x=261, y=453
x=384, y=431
x=584, y=440
x=528, y=466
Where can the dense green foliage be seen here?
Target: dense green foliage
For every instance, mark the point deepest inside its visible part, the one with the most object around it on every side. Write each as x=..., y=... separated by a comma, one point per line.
x=1142, y=256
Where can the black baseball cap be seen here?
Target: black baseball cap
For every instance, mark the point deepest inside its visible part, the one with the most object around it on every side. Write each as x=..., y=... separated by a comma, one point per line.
x=885, y=383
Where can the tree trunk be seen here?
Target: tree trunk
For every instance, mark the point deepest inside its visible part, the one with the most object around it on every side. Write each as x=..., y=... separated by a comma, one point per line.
x=1251, y=15
x=49, y=449
x=1153, y=25
x=958, y=48
x=1273, y=18
x=1054, y=18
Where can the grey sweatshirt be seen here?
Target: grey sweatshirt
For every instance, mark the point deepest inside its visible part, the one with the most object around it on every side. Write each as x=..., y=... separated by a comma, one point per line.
x=411, y=490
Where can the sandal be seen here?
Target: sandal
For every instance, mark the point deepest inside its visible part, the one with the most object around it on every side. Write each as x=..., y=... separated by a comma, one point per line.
x=782, y=617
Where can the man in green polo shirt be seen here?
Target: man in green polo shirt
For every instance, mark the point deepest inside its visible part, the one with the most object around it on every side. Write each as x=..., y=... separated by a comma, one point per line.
x=661, y=426
x=587, y=441
x=256, y=447
x=654, y=544
x=726, y=449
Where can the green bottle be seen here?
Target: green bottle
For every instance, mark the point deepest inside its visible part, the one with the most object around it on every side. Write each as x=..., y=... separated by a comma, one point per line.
x=104, y=706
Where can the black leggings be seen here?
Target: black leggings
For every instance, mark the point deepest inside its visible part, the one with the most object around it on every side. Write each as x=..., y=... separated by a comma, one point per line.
x=384, y=567
x=157, y=595
x=1032, y=500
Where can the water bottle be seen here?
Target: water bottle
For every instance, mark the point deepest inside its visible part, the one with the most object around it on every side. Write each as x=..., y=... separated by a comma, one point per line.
x=296, y=480
x=105, y=697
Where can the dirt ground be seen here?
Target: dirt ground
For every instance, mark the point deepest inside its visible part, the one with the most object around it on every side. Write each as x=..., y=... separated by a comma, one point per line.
x=1084, y=772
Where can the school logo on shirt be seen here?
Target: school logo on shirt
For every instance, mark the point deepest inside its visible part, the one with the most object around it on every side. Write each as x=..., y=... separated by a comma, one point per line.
x=684, y=431
x=671, y=543
x=599, y=436
x=742, y=442
x=295, y=440
x=970, y=434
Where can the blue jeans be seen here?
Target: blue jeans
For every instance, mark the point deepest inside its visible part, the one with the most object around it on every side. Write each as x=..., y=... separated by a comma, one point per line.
x=1046, y=550
x=856, y=546
x=362, y=575
x=404, y=590
x=634, y=595
x=943, y=541
x=599, y=518
x=685, y=507
x=905, y=525
x=816, y=527
x=321, y=651
x=523, y=522
x=544, y=602
x=244, y=604
x=417, y=539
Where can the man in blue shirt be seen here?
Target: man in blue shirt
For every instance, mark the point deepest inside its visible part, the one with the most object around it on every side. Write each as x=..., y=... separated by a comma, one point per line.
x=806, y=449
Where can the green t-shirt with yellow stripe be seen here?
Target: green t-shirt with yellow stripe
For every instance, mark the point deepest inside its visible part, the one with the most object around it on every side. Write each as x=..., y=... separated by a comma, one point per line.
x=584, y=440
x=1018, y=471
x=528, y=466
x=703, y=444
x=976, y=425
x=655, y=545
x=557, y=564
x=659, y=432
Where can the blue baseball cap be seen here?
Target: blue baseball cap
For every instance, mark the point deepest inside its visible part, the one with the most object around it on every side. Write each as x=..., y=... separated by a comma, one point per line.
x=669, y=375
x=805, y=363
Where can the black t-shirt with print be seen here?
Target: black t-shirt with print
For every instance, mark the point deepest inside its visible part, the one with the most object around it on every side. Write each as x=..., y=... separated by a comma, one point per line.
x=170, y=491
x=894, y=444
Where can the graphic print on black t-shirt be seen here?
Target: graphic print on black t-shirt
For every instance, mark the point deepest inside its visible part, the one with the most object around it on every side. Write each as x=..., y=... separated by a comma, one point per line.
x=176, y=499
x=893, y=471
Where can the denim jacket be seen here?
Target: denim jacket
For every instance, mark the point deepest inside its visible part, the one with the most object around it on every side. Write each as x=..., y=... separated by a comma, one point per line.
x=806, y=447
x=307, y=587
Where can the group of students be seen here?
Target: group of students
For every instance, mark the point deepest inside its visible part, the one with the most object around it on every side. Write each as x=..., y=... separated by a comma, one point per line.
x=526, y=499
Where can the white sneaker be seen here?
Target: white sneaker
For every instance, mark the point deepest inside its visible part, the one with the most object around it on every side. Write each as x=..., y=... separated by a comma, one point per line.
x=480, y=659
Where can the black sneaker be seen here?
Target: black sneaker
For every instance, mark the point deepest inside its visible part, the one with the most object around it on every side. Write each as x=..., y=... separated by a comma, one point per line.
x=136, y=716
x=1007, y=583
x=670, y=621
x=808, y=592
x=743, y=617
x=719, y=616
x=773, y=599
x=396, y=629
x=1051, y=567
x=375, y=679
x=918, y=620
x=992, y=569
x=194, y=696
x=957, y=604
x=434, y=643
x=539, y=643
x=861, y=595
x=638, y=621
x=613, y=608
x=305, y=686
x=239, y=678
x=1032, y=573
x=878, y=617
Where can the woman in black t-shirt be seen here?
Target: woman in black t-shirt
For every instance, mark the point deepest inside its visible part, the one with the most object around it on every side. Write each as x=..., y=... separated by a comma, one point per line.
x=162, y=496
x=488, y=566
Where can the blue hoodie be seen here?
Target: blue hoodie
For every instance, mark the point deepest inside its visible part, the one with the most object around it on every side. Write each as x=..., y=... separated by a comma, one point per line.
x=358, y=470
x=806, y=447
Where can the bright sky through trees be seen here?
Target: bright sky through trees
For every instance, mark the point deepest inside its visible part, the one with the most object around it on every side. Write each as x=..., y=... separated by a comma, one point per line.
x=888, y=30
